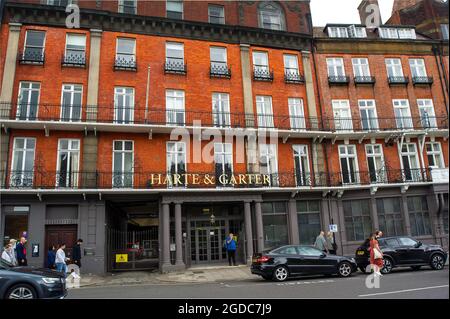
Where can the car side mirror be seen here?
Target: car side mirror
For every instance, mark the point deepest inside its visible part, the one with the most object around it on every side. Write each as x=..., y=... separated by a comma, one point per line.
x=418, y=244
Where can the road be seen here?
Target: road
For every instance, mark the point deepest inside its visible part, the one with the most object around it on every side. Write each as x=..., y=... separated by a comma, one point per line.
x=402, y=283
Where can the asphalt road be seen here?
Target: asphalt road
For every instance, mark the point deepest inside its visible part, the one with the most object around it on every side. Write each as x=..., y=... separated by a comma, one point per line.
x=401, y=283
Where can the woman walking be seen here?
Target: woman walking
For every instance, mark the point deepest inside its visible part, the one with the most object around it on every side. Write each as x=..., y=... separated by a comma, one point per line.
x=376, y=255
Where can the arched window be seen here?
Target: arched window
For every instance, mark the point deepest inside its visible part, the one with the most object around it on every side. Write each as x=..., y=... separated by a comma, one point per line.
x=271, y=16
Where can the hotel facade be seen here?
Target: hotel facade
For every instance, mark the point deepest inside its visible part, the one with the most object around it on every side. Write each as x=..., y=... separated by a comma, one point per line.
x=155, y=128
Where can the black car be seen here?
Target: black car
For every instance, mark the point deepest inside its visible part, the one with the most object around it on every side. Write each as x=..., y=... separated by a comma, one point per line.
x=30, y=283
x=291, y=261
x=403, y=251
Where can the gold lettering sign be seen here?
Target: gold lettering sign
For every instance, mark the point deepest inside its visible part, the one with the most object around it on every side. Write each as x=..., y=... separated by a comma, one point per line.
x=209, y=179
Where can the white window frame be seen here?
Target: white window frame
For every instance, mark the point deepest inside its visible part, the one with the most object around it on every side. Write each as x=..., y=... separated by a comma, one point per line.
x=224, y=53
x=33, y=46
x=444, y=31
x=360, y=68
x=76, y=35
x=288, y=68
x=224, y=151
x=404, y=122
x=338, y=32
x=177, y=46
x=121, y=5
x=367, y=106
x=128, y=57
x=174, y=108
x=72, y=89
x=221, y=109
x=70, y=151
x=175, y=1
x=263, y=13
x=222, y=9
x=418, y=68
x=427, y=115
x=393, y=68
x=436, y=153
x=300, y=151
x=24, y=175
x=342, y=123
x=372, y=153
x=296, y=113
x=121, y=152
x=348, y=156
x=334, y=65
x=121, y=92
x=264, y=111
x=176, y=154
x=264, y=59
x=268, y=154
x=409, y=154
x=28, y=104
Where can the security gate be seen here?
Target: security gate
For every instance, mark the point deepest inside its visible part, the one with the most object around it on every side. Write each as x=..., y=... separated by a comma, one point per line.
x=133, y=250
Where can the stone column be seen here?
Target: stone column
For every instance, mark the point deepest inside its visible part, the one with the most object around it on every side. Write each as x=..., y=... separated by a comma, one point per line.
x=248, y=231
x=293, y=223
x=259, y=227
x=406, y=215
x=94, y=71
x=374, y=213
x=247, y=85
x=178, y=237
x=433, y=212
x=165, y=244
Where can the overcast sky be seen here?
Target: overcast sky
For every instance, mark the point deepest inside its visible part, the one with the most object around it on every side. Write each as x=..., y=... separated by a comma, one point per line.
x=343, y=11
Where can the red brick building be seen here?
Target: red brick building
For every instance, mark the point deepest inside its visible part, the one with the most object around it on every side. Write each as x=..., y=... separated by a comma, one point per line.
x=88, y=116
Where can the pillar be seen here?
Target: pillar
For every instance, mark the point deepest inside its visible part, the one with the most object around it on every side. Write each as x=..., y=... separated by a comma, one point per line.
x=406, y=215
x=94, y=71
x=9, y=70
x=248, y=231
x=165, y=244
x=259, y=227
x=293, y=222
x=374, y=213
x=178, y=237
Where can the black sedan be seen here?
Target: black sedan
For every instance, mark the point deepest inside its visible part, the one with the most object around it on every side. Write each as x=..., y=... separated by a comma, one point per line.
x=30, y=283
x=292, y=261
x=403, y=251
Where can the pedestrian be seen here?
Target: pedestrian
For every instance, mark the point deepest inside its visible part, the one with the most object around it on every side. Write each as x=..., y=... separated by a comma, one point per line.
x=13, y=244
x=76, y=253
x=7, y=254
x=321, y=242
x=51, y=256
x=376, y=255
x=330, y=243
x=60, y=259
x=230, y=245
x=21, y=252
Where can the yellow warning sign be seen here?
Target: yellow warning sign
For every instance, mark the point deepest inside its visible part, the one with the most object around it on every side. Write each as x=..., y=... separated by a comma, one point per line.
x=121, y=258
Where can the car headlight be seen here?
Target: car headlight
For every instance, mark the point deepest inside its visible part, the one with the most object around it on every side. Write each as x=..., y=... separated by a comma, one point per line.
x=49, y=280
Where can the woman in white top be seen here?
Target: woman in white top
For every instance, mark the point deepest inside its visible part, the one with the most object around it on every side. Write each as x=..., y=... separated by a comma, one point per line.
x=7, y=254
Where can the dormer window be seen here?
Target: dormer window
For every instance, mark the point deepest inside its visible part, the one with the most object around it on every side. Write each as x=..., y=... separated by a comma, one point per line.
x=397, y=33
x=347, y=32
x=271, y=16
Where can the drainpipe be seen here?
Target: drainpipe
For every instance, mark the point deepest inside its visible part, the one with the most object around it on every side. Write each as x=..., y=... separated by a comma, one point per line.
x=146, y=93
x=440, y=65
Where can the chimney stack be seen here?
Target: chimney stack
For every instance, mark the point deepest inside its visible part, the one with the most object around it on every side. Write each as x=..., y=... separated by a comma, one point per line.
x=369, y=13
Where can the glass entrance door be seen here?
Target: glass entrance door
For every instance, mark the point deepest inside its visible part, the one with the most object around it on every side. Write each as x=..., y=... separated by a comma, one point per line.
x=207, y=242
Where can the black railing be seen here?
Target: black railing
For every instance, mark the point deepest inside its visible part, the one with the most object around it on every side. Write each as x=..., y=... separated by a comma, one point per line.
x=293, y=77
x=364, y=80
x=31, y=57
x=422, y=80
x=398, y=80
x=260, y=74
x=219, y=71
x=175, y=67
x=338, y=79
x=41, y=179
x=125, y=64
x=76, y=60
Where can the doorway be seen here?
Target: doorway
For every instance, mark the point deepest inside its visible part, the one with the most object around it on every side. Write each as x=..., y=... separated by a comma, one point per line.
x=58, y=234
x=207, y=242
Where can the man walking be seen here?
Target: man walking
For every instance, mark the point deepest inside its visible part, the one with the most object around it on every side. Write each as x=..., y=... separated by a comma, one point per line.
x=321, y=242
x=76, y=253
x=21, y=252
x=230, y=245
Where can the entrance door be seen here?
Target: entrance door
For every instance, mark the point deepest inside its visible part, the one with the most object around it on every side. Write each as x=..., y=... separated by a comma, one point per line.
x=207, y=243
x=61, y=234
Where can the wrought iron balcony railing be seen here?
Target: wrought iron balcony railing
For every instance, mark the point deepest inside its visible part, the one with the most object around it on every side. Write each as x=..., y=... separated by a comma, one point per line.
x=41, y=179
x=75, y=60
x=260, y=74
x=219, y=71
x=175, y=67
x=428, y=80
x=125, y=64
x=365, y=80
x=404, y=80
x=31, y=57
x=293, y=77
x=339, y=79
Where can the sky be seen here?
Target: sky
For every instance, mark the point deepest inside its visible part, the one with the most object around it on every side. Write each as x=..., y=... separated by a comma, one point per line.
x=343, y=11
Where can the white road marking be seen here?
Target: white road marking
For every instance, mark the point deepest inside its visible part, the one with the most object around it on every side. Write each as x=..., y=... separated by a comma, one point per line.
x=402, y=291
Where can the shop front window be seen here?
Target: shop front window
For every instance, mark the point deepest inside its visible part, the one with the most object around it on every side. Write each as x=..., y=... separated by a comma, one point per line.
x=308, y=217
x=16, y=224
x=274, y=224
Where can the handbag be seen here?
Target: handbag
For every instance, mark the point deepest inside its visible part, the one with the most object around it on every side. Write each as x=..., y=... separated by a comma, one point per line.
x=377, y=254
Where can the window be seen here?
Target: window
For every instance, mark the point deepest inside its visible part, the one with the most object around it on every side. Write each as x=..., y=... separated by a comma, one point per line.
x=34, y=46
x=394, y=68
x=335, y=67
x=358, y=224
x=357, y=32
x=260, y=62
x=338, y=32
x=404, y=33
x=268, y=162
x=391, y=242
x=368, y=113
x=123, y=105
x=264, y=111
x=22, y=162
x=375, y=162
x=309, y=223
x=28, y=101
x=271, y=16
x=216, y=14
x=221, y=109
x=347, y=32
x=68, y=163
x=427, y=116
x=175, y=56
x=286, y=251
x=402, y=115
x=175, y=114
x=71, y=98
x=174, y=9
x=296, y=113
x=223, y=158
x=274, y=224
x=176, y=163
x=291, y=71
x=417, y=67
x=310, y=251
x=301, y=165
x=361, y=67
x=444, y=30
x=397, y=33
x=390, y=217
x=125, y=53
x=434, y=154
x=410, y=163
x=406, y=241
x=342, y=115
x=349, y=164
x=419, y=217
x=75, y=48
x=123, y=163
x=128, y=6
x=218, y=58
x=61, y=3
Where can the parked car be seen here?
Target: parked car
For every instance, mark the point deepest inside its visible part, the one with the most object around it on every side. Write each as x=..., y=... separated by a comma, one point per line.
x=296, y=260
x=403, y=251
x=30, y=283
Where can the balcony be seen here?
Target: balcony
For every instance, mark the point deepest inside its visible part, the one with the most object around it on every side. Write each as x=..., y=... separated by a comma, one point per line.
x=260, y=74
x=175, y=67
x=398, y=80
x=36, y=57
x=74, y=60
x=125, y=64
x=422, y=80
x=220, y=71
x=293, y=77
x=338, y=80
x=370, y=80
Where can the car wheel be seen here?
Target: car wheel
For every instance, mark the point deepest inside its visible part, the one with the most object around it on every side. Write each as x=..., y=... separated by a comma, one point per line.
x=345, y=269
x=363, y=269
x=437, y=262
x=416, y=267
x=21, y=291
x=387, y=266
x=280, y=273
